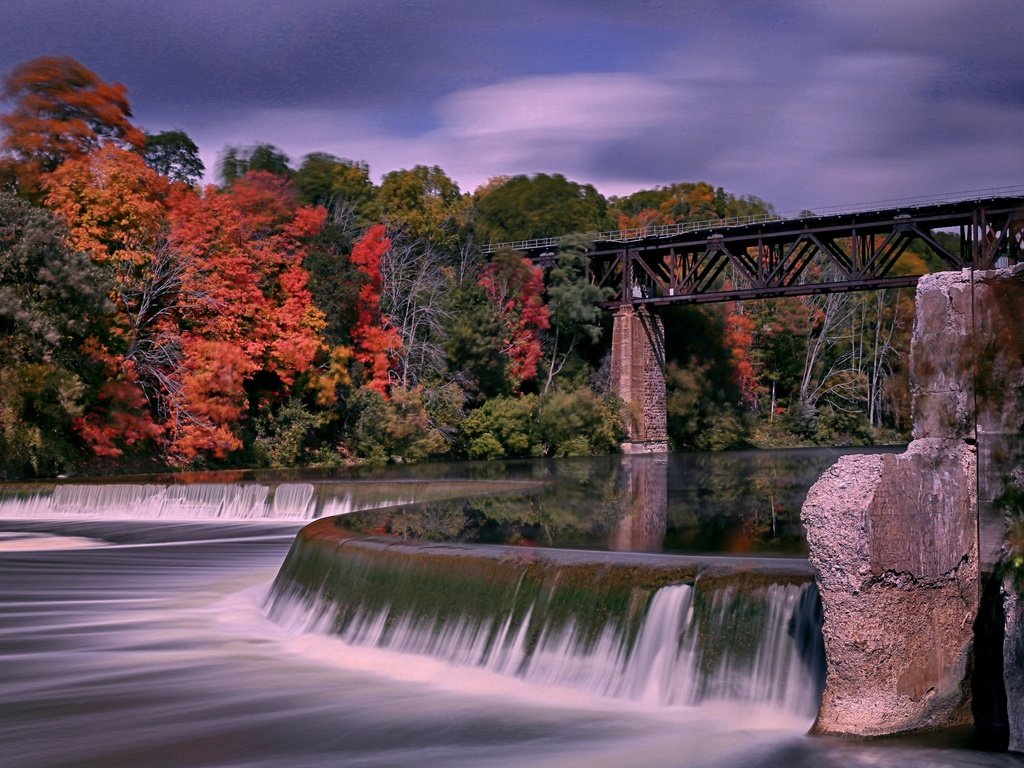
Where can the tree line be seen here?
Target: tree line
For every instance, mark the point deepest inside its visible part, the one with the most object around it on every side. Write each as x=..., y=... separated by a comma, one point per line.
x=299, y=313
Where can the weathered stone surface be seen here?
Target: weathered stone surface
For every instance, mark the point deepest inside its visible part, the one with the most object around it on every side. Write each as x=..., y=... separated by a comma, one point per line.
x=967, y=378
x=942, y=357
x=897, y=571
x=893, y=539
x=966, y=354
x=922, y=513
x=638, y=379
x=1013, y=665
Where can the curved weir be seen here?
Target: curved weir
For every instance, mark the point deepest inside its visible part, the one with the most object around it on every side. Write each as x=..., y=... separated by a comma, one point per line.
x=662, y=630
x=201, y=501
x=228, y=501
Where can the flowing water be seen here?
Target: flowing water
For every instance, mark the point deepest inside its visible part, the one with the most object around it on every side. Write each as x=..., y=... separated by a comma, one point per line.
x=135, y=631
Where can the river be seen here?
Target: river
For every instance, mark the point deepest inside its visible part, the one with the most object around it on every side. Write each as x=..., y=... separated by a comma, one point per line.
x=146, y=639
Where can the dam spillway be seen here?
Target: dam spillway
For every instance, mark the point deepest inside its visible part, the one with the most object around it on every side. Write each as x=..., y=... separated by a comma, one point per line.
x=664, y=630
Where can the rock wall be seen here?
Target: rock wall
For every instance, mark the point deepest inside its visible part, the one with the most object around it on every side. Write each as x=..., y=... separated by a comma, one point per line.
x=1013, y=666
x=894, y=540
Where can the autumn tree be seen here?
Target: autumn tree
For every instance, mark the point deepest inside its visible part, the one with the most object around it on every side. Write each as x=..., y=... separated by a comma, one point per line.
x=175, y=156
x=515, y=287
x=61, y=110
x=376, y=341
x=115, y=207
x=739, y=339
x=684, y=202
x=249, y=327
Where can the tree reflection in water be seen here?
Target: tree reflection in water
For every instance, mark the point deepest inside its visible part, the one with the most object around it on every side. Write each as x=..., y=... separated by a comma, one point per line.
x=742, y=502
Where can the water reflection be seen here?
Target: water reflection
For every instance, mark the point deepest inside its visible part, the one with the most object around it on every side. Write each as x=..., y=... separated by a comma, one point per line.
x=743, y=502
x=643, y=503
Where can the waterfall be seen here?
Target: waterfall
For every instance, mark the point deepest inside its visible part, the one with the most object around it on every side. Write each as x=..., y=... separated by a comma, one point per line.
x=602, y=630
x=199, y=501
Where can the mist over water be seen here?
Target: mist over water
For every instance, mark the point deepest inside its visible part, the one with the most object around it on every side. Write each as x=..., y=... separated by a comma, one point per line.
x=150, y=643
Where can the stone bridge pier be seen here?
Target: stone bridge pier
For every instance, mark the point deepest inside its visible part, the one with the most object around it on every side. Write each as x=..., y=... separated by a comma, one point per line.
x=638, y=378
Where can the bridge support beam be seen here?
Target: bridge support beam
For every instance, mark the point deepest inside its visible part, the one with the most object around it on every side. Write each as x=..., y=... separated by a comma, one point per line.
x=638, y=378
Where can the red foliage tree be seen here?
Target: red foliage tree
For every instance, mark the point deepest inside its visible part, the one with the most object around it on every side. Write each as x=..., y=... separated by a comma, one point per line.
x=516, y=287
x=376, y=341
x=120, y=418
x=739, y=340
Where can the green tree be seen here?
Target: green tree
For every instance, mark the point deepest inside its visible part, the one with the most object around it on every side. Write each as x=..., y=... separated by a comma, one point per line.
x=473, y=343
x=573, y=309
x=703, y=399
x=504, y=426
x=527, y=207
x=282, y=436
x=425, y=202
x=51, y=301
x=174, y=155
x=238, y=161
x=342, y=185
x=578, y=423
x=334, y=281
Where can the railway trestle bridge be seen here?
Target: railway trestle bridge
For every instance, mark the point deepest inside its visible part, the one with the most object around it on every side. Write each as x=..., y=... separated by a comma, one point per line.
x=767, y=257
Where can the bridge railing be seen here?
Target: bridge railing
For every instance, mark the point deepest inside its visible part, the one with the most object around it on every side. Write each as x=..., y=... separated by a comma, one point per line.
x=919, y=201
x=635, y=233
x=670, y=230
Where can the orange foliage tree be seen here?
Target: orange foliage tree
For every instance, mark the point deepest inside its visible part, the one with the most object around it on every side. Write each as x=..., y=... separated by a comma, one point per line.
x=61, y=110
x=376, y=341
x=115, y=208
x=115, y=205
x=211, y=297
x=245, y=310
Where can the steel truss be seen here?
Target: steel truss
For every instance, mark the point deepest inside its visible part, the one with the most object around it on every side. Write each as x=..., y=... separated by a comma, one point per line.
x=813, y=255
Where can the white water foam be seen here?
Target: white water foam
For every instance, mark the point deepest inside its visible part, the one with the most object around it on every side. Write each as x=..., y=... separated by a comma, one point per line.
x=201, y=501
x=661, y=668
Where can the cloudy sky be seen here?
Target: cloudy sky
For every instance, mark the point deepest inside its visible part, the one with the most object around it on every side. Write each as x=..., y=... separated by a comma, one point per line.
x=805, y=103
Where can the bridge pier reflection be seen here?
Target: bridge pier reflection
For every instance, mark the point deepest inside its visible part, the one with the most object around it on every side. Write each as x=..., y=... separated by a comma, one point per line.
x=643, y=501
